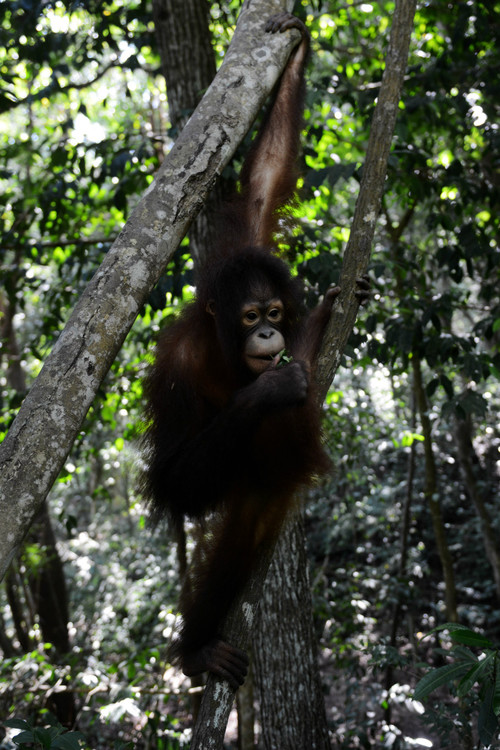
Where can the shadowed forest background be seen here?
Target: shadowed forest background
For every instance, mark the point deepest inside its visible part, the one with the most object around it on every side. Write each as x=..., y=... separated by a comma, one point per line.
x=404, y=535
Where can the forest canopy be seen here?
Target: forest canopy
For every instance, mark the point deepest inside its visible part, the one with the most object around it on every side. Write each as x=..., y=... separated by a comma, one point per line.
x=403, y=536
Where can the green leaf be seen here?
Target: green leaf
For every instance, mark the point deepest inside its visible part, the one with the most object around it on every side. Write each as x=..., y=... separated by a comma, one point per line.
x=447, y=385
x=476, y=674
x=468, y=681
x=16, y=724
x=440, y=676
x=471, y=638
x=22, y=737
x=450, y=626
x=43, y=736
x=70, y=741
x=487, y=722
x=432, y=386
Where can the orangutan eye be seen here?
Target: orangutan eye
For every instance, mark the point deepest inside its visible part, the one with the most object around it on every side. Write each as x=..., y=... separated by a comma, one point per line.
x=250, y=317
x=275, y=314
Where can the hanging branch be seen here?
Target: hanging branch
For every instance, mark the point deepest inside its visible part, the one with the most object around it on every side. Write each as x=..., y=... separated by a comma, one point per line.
x=218, y=697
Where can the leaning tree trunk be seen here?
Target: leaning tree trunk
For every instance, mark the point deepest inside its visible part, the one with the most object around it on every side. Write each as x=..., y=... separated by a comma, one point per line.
x=47, y=581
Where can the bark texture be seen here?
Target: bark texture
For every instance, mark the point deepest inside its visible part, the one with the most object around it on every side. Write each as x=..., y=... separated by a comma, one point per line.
x=284, y=656
x=188, y=64
x=187, y=57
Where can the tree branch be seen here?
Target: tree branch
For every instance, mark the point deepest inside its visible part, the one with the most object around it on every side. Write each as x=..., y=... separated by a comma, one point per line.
x=357, y=253
x=55, y=88
x=51, y=416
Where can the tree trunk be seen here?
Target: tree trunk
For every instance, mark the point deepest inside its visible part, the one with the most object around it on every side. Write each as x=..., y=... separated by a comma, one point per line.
x=48, y=586
x=15, y=373
x=47, y=583
x=187, y=57
x=48, y=589
x=432, y=494
x=470, y=466
x=188, y=64
x=22, y=624
x=292, y=707
x=403, y=556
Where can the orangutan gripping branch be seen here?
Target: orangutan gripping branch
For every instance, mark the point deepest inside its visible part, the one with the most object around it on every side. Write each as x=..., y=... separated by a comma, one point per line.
x=234, y=424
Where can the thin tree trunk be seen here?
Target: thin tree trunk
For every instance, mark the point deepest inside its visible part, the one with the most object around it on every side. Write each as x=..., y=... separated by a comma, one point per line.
x=403, y=555
x=47, y=584
x=13, y=587
x=357, y=252
x=469, y=464
x=15, y=373
x=432, y=493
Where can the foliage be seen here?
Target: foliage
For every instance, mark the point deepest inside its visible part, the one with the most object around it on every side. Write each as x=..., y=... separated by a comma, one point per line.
x=45, y=738
x=52, y=735
x=464, y=672
x=83, y=126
